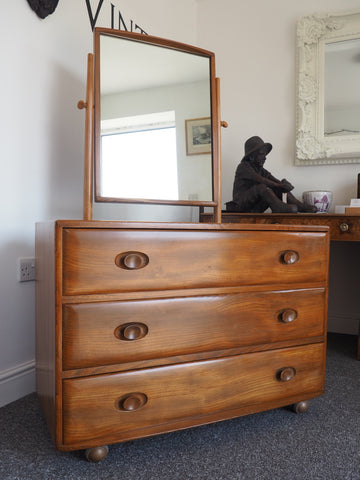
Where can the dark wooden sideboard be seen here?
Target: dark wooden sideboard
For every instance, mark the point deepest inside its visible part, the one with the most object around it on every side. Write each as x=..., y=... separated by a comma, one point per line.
x=343, y=228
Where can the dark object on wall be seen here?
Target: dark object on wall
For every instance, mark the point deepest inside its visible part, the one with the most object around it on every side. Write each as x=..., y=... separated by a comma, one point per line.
x=43, y=8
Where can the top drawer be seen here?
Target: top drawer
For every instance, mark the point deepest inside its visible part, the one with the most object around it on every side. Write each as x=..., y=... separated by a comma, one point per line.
x=118, y=260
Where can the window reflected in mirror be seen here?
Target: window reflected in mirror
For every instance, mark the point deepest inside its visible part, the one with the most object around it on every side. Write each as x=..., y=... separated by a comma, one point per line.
x=129, y=145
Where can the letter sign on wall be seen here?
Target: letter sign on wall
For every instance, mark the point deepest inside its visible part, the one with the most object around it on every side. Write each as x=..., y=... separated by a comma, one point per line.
x=43, y=8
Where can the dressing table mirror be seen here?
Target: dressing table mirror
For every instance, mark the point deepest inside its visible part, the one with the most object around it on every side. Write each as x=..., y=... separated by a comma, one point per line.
x=145, y=328
x=156, y=122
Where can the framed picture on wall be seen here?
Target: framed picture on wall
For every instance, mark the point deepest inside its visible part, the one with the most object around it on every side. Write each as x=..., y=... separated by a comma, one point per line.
x=198, y=136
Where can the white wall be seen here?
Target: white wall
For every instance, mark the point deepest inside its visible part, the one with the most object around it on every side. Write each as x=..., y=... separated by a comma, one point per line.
x=43, y=74
x=254, y=42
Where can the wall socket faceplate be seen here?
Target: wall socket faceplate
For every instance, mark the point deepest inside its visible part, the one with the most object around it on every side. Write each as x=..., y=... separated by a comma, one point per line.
x=26, y=269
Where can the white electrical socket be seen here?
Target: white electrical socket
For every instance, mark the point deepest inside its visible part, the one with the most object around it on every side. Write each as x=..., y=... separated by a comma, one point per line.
x=26, y=269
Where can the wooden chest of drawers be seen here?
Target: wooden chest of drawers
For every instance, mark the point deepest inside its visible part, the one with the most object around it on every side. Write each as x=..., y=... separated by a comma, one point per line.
x=148, y=328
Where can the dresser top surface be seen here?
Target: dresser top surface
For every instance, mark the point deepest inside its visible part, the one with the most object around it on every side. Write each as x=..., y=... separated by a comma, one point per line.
x=100, y=224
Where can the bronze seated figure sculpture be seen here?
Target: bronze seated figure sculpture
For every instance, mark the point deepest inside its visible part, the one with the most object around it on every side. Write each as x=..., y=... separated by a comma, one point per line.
x=256, y=189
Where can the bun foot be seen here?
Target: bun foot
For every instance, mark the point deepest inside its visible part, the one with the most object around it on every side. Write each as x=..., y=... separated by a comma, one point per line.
x=300, y=407
x=96, y=454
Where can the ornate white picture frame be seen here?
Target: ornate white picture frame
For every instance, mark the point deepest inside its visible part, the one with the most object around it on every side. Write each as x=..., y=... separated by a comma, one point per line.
x=313, y=34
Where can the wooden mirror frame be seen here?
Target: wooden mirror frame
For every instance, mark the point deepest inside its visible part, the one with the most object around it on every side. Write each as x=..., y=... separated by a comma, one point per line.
x=92, y=131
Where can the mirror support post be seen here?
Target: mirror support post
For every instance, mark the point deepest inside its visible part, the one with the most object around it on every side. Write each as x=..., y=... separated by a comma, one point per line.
x=88, y=149
x=217, y=146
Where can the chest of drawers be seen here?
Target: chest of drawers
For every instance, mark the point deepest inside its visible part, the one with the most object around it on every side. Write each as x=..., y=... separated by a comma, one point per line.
x=148, y=328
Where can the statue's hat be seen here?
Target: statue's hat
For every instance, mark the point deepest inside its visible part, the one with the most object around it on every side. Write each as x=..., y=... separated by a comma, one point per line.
x=253, y=144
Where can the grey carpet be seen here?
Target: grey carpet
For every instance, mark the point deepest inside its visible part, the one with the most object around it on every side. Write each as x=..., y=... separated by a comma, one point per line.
x=322, y=444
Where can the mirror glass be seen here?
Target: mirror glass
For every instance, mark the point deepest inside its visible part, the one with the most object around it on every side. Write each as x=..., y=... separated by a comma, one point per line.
x=328, y=98
x=342, y=93
x=153, y=121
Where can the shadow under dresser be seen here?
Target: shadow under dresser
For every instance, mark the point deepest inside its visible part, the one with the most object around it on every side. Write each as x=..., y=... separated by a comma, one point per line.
x=146, y=328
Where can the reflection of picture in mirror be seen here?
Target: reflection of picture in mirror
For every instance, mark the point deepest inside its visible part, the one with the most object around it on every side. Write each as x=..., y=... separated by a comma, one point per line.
x=198, y=136
x=341, y=90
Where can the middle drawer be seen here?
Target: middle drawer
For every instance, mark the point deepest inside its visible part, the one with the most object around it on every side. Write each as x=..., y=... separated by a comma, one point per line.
x=96, y=334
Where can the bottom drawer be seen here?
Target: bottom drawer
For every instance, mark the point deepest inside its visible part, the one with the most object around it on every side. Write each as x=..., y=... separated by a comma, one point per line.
x=117, y=407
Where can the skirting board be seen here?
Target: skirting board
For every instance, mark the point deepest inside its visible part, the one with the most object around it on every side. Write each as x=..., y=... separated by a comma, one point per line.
x=16, y=382
x=348, y=324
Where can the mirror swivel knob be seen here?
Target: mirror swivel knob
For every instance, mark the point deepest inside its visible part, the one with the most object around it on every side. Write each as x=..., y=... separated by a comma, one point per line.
x=81, y=104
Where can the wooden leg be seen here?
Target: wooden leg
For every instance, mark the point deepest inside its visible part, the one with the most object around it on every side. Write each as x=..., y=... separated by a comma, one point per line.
x=300, y=407
x=96, y=454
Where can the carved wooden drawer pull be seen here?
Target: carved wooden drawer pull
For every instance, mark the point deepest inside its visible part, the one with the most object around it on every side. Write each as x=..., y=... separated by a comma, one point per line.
x=290, y=257
x=132, y=260
x=131, y=331
x=286, y=374
x=344, y=227
x=288, y=316
x=132, y=402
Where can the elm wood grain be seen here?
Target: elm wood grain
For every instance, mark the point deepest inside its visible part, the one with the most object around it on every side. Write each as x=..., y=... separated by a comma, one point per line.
x=185, y=292
x=57, y=376
x=179, y=326
x=45, y=325
x=288, y=402
x=188, y=391
x=188, y=259
x=216, y=147
x=58, y=337
x=88, y=147
x=216, y=227
x=191, y=357
x=342, y=227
